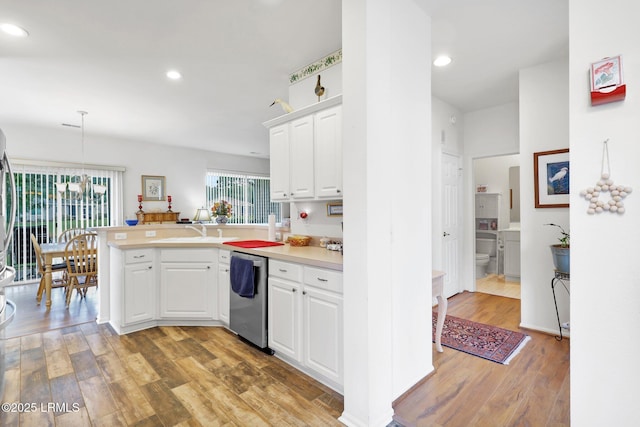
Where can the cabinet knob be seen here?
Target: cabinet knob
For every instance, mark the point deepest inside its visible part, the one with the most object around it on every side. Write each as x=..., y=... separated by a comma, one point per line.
x=304, y=292
x=337, y=190
x=322, y=280
x=150, y=267
x=282, y=270
x=208, y=267
x=293, y=290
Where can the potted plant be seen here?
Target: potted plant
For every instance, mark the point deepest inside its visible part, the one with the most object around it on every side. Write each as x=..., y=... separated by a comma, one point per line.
x=222, y=211
x=561, y=251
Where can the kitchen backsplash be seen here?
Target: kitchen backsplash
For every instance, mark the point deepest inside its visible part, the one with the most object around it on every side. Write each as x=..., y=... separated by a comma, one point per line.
x=317, y=223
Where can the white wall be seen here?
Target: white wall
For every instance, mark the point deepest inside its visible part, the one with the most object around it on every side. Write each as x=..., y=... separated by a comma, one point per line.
x=183, y=168
x=492, y=131
x=387, y=265
x=605, y=300
x=544, y=126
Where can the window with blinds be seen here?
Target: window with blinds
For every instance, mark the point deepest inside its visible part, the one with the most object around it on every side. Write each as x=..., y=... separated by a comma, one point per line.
x=46, y=206
x=249, y=196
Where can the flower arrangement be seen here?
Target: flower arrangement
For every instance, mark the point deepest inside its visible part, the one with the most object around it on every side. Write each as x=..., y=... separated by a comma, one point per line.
x=564, y=236
x=222, y=208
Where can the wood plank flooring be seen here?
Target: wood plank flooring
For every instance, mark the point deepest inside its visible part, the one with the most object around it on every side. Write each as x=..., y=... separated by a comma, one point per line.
x=167, y=376
x=497, y=285
x=31, y=318
x=204, y=376
x=533, y=390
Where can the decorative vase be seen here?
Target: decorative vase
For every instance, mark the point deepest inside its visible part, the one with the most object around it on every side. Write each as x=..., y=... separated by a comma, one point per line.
x=221, y=219
x=561, y=258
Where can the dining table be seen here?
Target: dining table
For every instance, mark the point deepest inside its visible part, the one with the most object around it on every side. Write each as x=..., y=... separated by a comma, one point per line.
x=50, y=251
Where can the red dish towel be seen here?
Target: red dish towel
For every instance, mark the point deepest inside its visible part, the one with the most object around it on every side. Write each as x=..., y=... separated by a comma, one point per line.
x=253, y=243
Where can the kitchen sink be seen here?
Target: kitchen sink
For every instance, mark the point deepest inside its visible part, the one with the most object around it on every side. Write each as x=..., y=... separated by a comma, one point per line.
x=195, y=239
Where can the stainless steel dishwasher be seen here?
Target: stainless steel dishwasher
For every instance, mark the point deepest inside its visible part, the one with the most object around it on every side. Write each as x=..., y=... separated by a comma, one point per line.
x=248, y=316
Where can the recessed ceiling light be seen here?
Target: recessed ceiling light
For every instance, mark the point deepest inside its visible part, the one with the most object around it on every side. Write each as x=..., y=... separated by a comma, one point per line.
x=174, y=75
x=441, y=61
x=13, y=30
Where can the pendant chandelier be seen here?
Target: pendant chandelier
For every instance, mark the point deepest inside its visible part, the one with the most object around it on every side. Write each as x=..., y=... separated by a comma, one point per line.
x=80, y=185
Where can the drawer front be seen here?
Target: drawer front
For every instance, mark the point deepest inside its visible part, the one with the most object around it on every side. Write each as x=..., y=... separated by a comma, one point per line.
x=188, y=255
x=224, y=257
x=285, y=270
x=323, y=279
x=134, y=256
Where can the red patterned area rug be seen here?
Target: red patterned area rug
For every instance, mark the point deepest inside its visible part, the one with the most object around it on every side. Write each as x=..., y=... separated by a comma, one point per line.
x=486, y=341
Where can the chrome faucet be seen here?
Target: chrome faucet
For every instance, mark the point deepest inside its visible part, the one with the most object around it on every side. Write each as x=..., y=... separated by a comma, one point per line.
x=202, y=232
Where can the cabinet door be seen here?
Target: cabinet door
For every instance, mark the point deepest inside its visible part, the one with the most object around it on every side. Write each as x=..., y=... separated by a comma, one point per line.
x=328, y=152
x=323, y=333
x=188, y=290
x=279, y=162
x=284, y=317
x=487, y=205
x=512, y=257
x=139, y=293
x=224, y=286
x=301, y=161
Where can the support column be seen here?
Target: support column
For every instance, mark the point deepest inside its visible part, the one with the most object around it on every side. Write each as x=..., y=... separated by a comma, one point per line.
x=387, y=220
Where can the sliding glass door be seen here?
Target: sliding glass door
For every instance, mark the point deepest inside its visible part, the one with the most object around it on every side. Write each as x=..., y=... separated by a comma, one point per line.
x=51, y=199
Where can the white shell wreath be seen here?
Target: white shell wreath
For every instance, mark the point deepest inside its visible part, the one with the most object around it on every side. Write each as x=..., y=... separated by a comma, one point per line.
x=605, y=184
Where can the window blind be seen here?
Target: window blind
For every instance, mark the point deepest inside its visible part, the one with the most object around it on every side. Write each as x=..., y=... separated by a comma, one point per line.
x=249, y=196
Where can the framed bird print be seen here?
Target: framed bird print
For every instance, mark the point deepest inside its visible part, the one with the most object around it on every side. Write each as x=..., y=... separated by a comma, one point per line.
x=551, y=174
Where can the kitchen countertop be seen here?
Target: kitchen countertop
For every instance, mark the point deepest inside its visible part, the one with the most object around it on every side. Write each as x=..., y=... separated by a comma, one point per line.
x=309, y=255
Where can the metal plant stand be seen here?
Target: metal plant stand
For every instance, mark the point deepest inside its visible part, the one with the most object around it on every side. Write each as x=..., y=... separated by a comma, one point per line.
x=562, y=278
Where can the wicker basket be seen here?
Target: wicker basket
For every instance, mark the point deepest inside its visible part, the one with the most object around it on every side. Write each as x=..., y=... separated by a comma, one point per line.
x=299, y=240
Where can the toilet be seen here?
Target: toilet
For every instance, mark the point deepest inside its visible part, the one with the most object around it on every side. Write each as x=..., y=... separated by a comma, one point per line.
x=485, y=249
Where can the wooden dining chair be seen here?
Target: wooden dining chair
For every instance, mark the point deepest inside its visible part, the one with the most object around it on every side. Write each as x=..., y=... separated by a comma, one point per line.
x=69, y=234
x=56, y=282
x=81, y=254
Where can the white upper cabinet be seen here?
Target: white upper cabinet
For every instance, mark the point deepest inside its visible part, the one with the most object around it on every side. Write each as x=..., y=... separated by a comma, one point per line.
x=301, y=161
x=328, y=152
x=488, y=205
x=279, y=152
x=306, y=153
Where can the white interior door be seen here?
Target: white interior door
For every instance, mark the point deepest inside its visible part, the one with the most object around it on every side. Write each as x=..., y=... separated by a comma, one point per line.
x=451, y=223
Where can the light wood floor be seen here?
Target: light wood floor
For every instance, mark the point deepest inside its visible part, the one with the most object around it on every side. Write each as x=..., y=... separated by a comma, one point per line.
x=205, y=376
x=167, y=376
x=533, y=390
x=497, y=285
x=31, y=318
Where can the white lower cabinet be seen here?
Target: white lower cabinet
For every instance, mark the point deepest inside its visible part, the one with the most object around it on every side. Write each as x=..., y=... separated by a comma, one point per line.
x=323, y=329
x=132, y=289
x=306, y=319
x=511, y=255
x=139, y=293
x=284, y=317
x=188, y=283
x=224, y=285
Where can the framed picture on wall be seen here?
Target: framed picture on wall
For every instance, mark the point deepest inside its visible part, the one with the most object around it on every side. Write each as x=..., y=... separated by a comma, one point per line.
x=551, y=178
x=334, y=209
x=153, y=188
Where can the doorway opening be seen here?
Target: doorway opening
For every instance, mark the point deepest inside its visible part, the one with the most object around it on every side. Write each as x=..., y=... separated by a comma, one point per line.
x=496, y=183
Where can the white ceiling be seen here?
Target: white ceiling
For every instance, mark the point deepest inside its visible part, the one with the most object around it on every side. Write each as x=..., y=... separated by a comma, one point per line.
x=110, y=57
